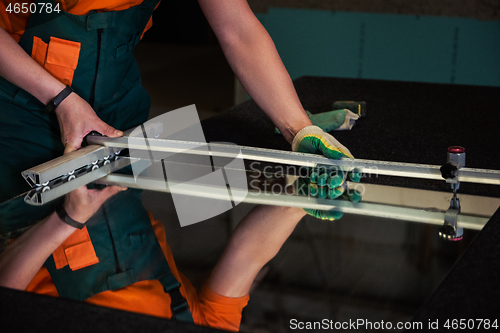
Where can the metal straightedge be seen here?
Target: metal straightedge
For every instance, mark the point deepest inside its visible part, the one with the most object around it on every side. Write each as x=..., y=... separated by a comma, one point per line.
x=103, y=151
x=300, y=159
x=102, y=147
x=64, y=165
x=38, y=196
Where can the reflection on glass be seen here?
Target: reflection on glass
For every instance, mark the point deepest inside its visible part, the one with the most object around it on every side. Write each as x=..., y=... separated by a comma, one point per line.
x=120, y=258
x=355, y=267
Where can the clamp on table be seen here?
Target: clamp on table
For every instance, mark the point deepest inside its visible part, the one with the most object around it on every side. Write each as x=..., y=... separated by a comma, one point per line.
x=449, y=171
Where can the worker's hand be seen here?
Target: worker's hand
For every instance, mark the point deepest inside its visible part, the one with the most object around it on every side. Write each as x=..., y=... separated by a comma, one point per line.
x=314, y=140
x=82, y=203
x=336, y=120
x=329, y=183
x=325, y=182
x=77, y=119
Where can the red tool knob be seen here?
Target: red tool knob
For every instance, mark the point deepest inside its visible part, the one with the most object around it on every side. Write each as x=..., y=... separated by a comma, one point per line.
x=456, y=149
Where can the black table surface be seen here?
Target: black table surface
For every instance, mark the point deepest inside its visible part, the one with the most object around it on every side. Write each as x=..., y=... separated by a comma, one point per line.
x=470, y=290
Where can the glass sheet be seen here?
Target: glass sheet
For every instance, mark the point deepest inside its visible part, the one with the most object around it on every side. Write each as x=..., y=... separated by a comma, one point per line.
x=358, y=267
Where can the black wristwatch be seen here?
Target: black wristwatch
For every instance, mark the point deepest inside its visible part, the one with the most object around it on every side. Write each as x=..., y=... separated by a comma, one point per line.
x=58, y=99
x=63, y=215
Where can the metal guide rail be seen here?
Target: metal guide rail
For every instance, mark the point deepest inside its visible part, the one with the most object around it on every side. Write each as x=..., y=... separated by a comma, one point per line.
x=300, y=159
x=104, y=147
x=97, y=162
x=70, y=166
x=62, y=185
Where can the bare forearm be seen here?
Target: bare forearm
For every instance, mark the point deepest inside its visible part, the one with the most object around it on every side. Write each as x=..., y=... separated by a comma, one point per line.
x=22, y=259
x=255, y=241
x=75, y=116
x=261, y=71
x=254, y=59
x=19, y=68
x=25, y=256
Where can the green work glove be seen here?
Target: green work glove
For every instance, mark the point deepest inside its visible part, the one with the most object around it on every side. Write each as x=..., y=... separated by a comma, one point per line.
x=328, y=183
x=341, y=118
x=334, y=120
x=329, y=215
x=314, y=140
x=358, y=108
x=325, y=182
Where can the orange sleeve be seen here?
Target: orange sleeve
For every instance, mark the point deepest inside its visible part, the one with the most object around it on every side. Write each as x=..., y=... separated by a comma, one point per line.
x=43, y=284
x=221, y=312
x=207, y=307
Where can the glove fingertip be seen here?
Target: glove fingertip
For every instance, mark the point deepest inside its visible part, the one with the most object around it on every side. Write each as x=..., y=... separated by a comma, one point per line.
x=346, y=155
x=322, y=192
x=355, y=175
x=335, y=181
x=313, y=190
x=332, y=154
x=336, y=192
x=333, y=215
x=353, y=195
x=338, y=215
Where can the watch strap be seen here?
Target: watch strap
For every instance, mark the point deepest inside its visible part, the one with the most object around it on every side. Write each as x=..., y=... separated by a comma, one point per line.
x=63, y=215
x=58, y=99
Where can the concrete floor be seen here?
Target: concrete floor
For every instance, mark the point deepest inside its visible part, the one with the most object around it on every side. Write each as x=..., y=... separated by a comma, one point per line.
x=370, y=268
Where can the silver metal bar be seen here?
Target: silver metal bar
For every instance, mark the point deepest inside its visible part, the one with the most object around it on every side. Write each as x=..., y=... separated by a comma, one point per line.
x=60, y=166
x=38, y=197
x=300, y=159
x=152, y=129
x=361, y=208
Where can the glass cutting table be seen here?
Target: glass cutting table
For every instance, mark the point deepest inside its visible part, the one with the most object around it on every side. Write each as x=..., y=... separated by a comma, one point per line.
x=383, y=258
